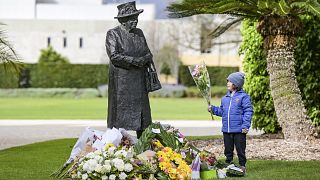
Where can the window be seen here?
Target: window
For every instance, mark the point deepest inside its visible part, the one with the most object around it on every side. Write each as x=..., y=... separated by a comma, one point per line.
x=48, y=41
x=80, y=42
x=64, y=42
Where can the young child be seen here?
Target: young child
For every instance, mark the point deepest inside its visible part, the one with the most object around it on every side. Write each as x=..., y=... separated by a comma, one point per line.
x=236, y=112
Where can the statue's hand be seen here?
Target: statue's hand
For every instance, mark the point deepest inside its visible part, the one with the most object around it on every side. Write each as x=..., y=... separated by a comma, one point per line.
x=139, y=61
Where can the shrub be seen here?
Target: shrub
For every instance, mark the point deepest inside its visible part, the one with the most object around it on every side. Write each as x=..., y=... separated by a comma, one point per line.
x=51, y=92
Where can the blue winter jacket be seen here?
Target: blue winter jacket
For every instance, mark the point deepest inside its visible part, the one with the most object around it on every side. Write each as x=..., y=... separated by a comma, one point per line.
x=236, y=112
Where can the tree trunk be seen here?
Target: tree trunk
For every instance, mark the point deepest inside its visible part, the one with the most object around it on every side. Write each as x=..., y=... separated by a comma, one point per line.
x=279, y=40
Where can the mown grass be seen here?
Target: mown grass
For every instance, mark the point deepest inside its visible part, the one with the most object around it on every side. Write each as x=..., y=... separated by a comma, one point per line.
x=39, y=160
x=96, y=108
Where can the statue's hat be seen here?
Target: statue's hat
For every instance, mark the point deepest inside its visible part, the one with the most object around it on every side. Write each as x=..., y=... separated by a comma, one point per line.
x=127, y=9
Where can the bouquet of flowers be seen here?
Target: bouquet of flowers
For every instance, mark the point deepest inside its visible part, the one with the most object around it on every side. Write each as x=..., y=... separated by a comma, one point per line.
x=113, y=163
x=201, y=77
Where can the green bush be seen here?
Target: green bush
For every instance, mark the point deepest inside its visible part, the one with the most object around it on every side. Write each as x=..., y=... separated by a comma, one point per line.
x=307, y=56
x=49, y=55
x=51, y=92
x=68, y=75
x=217, y=75
x=8, y=79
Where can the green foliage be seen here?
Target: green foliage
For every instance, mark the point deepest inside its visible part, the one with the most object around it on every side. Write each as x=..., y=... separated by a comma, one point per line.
x=217, y=75
x=252, y=9
x=49, y=75
x=50, y=92
x=9, y=59
x=8, y=79
x=50, y=56
x=257, y=79
x=307, y=56
x=165, y=69
x=68, y=75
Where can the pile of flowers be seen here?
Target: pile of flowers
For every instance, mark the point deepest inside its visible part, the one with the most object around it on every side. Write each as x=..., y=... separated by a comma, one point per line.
x=162, y=152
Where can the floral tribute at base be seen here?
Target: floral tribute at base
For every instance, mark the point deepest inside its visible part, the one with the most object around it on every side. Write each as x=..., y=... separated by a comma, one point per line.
x=162, y=152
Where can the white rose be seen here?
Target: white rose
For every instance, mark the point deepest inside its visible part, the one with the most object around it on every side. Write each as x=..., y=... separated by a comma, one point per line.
x=107, y=168
x=122, y=175
x=85, y=167
x=107, y=162
x=98, y=168
x=104, y=177
x=111, y=150
x=112, y=177
x=128, y=167
x=85, y=176
x=92, y=163
x=118, y=163
x=99, y=159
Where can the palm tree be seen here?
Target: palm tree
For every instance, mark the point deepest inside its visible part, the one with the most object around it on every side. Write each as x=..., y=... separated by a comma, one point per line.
x=8, y=56
x=279, y=24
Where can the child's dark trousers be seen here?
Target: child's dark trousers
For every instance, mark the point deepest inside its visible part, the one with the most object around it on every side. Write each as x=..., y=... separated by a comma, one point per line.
x=238, y=140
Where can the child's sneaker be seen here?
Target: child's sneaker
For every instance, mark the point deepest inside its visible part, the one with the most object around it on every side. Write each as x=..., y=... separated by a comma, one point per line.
x=243, y=168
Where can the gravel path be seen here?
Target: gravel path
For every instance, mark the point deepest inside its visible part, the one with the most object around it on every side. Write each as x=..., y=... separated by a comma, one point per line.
x=261, y=147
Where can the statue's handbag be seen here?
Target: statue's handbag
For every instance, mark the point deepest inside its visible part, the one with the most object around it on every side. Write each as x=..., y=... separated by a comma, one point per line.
x=152, y=80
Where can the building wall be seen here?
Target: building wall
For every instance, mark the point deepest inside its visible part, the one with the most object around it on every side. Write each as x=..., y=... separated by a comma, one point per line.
x=66, y=10
x=30, y=36
x=17, y=9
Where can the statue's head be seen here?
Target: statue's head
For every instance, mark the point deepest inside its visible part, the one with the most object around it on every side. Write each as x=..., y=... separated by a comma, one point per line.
x=127, y=9
x=128, y=14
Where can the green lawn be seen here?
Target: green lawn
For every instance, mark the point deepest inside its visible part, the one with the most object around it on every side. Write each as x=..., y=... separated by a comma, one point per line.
x=38, y=161
x=96, y=108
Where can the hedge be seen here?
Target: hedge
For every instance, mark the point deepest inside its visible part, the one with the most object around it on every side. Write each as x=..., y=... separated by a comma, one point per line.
x=91, y=76
x=217, y=75
x=59, y=76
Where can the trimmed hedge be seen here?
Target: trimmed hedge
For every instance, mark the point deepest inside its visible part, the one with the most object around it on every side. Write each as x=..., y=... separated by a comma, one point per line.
x=217, y=75
x=46, y=75
x=50, y=92
x=8, y=79
x=59, y=76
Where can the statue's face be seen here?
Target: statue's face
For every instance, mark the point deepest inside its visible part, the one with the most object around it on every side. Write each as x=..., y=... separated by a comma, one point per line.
x=131, y=22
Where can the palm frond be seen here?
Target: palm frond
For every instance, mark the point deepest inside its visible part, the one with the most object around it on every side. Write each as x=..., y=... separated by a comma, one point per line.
x=224, y=26
x=8, y=56
x=310, y=6
x=245, y=8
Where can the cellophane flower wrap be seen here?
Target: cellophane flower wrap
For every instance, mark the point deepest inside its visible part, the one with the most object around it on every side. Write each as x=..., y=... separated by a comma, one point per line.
x=201, y=77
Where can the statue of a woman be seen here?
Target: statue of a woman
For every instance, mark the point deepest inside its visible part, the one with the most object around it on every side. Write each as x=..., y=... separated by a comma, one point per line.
x=128, y=101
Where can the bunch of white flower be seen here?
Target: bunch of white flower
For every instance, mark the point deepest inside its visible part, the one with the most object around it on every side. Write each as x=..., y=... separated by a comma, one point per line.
x=113, y=163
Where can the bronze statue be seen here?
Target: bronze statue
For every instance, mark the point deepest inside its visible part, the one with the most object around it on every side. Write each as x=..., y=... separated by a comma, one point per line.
x=128, y=101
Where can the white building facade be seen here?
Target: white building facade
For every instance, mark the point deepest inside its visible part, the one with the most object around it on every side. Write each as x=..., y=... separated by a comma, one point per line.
x=77, y=28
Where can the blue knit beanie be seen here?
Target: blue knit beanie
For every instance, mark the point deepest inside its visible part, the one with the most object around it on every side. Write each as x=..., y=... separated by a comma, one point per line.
x=236, y=78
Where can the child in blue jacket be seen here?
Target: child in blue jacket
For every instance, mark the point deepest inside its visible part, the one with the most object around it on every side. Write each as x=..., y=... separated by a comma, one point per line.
x=236, y=112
